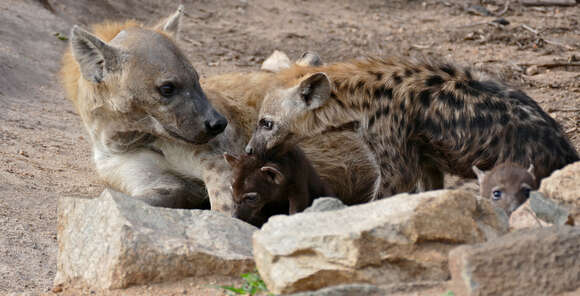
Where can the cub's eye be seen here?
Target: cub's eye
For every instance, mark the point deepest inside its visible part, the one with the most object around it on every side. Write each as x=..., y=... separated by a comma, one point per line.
x=526, y=192
x=167, y=89
x=251, y=197
x=496, y=195
x=266, y=124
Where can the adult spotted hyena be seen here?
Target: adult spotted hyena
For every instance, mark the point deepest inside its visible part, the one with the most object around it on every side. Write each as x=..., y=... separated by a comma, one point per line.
x=135, y=90
x=420, y=119
x=157, y=136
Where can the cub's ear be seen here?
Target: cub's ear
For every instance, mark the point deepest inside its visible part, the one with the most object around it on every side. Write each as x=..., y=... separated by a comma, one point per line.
x=273, y=174
x=315, y=90
x=231, y=159
x=479, y=173
x=170, y=25
x=95, y=57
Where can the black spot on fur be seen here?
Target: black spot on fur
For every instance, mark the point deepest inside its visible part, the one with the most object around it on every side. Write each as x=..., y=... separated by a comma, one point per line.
x=488, y=87
x=371, y=121
x=396, y=78
x=504, y=119
x=366, y=105
x=449, y=69
x=481, y=122
x=396, y=117
x=434, y=80
x=521, y=113
x=432, y=127
x=451, y=100
x=402, y=106
x=359, y=86
x=335, y=98
x=425, y=98
x=461, y=122
x=491, y=105
x=468, y=74
x=383, y=92
x=408, y=73
x=494, y=141
x=378, y=75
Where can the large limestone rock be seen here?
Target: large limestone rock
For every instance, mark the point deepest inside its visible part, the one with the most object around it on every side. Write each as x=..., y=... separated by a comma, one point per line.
x=115, y=241
x=563, y=186
x=404, y=238
x=540, y=261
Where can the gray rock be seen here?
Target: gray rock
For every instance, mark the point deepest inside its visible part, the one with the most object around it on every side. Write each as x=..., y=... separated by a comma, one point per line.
x=563, y=187
x=548, y=210
x=538, y=261
x=115, y=241
x=405, y=238
x=346, y=290
x=324, y=204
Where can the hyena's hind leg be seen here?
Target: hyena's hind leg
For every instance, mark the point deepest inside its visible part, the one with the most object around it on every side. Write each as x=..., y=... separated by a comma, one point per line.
x=144, y=175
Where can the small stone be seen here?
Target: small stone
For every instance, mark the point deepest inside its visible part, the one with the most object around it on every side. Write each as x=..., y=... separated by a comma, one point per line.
x=532, y=70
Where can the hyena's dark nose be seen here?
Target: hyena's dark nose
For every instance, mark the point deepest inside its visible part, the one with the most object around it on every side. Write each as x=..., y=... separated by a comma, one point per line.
x=216, y=125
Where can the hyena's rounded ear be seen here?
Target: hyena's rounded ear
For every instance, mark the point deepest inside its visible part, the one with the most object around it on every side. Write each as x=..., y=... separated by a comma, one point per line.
x=273, y=174
x=479, y=173
x=309, y=58
x=315, y=90
x=170, y=25
x=95, y=57
x=276, y=62
x=231, y=159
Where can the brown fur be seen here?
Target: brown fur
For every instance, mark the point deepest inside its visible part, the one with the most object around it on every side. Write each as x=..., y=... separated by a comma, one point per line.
x=507, y=185
x=420, y=119
x=280, y=182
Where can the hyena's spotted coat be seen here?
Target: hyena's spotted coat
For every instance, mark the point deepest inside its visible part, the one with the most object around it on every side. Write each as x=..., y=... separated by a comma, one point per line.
x=420, y=119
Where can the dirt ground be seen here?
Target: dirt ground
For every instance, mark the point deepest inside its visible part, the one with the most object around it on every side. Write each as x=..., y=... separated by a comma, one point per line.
x=44, y=151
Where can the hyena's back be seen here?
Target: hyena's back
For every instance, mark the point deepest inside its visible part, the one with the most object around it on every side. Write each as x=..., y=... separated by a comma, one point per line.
x=467, y=120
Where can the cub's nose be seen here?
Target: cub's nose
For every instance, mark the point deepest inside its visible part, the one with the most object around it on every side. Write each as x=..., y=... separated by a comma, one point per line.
x=216, y=126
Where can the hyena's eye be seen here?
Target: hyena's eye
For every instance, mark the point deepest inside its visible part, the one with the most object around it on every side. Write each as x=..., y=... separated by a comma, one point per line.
x=266, y=124
x=167, y=89
x=496, y=195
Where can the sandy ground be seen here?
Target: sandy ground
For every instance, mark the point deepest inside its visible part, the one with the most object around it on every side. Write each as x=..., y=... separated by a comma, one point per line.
x=44, y=152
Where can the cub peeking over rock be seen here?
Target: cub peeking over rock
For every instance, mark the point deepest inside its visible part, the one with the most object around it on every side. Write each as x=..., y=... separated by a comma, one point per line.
x=508, y=185
x=283, y=181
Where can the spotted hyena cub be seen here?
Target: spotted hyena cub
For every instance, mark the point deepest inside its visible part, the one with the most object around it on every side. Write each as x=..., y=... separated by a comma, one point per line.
x=279, y=182
x=507, y=185
x=421, y=119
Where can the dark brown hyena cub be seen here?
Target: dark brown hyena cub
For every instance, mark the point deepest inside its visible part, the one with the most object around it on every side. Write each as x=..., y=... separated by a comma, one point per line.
x=280, y=182
x=508, y=185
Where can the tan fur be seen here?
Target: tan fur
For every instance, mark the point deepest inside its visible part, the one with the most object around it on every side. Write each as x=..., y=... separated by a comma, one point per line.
x=341, y=158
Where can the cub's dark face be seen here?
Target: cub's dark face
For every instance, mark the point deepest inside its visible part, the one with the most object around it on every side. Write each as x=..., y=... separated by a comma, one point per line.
x=258, y=190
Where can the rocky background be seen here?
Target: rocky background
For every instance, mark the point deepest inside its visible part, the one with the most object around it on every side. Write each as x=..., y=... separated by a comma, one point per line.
x=44, y=153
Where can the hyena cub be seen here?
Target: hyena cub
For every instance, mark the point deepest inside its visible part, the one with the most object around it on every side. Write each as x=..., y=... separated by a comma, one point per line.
x=420, y=119
x=278, y=182
x=507, y=185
